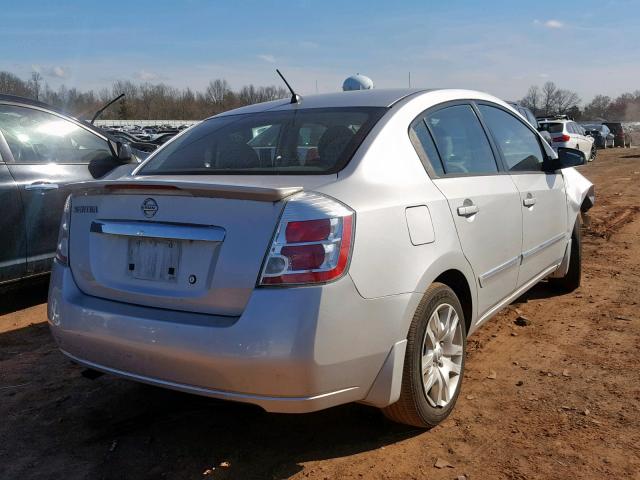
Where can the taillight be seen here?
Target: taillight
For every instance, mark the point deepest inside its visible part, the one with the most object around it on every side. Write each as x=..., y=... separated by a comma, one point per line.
x=62, y=249
x=563, y=138
x=312, y=243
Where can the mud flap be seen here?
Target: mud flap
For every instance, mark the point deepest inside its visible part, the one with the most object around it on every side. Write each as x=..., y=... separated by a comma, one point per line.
x=386, y=387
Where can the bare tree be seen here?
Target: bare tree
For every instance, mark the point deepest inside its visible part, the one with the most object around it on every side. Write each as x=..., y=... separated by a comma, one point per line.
x=532, y=99
x=565, y=100
x=36, y=81
x=598, y=107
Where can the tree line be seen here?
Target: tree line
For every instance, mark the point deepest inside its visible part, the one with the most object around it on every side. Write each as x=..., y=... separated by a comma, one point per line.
x=148, y=101
x=551, y=100
x=142, y=101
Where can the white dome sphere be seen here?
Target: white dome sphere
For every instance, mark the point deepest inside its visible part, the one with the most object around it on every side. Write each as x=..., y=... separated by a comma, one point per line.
x=357, y=82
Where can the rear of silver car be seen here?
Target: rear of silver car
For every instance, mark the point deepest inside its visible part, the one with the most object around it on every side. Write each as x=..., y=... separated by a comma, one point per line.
x=231, y=287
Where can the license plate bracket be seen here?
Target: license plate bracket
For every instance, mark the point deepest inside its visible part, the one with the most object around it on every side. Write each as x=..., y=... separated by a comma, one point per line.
x=154, y=259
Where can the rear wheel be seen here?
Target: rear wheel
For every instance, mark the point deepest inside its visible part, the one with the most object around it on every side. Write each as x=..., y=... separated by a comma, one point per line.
x=571, y=280
x=434, y=361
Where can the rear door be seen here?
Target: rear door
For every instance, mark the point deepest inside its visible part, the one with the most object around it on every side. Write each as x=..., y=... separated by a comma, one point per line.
x=484, y=203
x=48, y=152
x=542, y=195
x=13, y=248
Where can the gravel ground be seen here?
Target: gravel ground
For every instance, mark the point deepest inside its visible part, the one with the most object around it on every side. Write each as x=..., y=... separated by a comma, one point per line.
x=564, y=403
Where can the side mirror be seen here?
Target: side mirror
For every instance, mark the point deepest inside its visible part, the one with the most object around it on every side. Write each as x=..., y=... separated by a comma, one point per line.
x=567, y=157
x=124, y=152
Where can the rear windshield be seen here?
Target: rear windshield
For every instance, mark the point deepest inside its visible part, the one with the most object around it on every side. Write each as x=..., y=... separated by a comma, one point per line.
x=311, y=141
x=552, y=127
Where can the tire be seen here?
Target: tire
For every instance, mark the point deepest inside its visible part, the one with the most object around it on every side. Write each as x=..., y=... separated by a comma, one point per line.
x=594, y=153
x=571, y=281
x=417, y=406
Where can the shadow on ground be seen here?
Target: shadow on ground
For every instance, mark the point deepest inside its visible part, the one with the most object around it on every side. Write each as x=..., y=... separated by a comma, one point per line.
x=23, y=294
x=112, y=428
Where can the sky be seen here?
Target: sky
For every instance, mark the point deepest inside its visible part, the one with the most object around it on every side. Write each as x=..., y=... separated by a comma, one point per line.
x=501, y=47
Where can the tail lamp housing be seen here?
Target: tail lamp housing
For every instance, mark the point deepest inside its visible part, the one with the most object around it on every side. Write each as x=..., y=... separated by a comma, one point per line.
x=312, y=243
x=562, y=138
x=62, y=247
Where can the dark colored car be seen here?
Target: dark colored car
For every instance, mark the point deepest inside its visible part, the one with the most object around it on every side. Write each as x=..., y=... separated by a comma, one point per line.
x=601, y=134
x=42, y=152
x=622, y=138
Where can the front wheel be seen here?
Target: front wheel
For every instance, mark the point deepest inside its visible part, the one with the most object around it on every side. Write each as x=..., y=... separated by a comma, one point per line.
x=434, y=361
x=594, y=153
x=571, y=281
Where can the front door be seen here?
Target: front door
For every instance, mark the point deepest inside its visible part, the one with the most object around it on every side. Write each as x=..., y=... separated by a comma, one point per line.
x=13, y=248
x=48, y=152
x=484, y=204
x=542, y=195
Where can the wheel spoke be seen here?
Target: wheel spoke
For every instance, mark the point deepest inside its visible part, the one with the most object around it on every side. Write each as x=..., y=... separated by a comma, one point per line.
x=431, y=334
x=427, y=361
x=451, y=330
x=449, y=366
x=443, y=394
x=452, y=350
x=430, y=380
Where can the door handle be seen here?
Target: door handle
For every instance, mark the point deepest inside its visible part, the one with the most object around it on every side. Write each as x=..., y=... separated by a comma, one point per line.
x=42, y=186
x=529, y=201
x=468, y=210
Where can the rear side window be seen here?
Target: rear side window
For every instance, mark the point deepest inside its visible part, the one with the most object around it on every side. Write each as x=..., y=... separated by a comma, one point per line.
x=461, y=141
x=423, y=143
x=518, y=144
x=305, y=141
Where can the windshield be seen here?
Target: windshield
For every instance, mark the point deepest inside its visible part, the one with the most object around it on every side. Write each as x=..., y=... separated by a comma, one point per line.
x=311, y=141
x=552, y=127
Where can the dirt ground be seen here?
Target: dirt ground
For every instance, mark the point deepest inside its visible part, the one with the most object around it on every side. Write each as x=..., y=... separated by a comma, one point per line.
x=564, y=403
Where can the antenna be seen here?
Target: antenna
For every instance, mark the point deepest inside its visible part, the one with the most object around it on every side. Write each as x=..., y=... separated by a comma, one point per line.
x=99, y=112
x=295, y=98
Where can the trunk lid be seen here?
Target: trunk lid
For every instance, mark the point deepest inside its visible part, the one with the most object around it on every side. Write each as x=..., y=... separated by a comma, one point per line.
x=194, y=244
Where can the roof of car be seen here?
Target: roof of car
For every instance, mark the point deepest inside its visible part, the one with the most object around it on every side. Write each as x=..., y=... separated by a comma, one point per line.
x=354, y=98
x=27, y=101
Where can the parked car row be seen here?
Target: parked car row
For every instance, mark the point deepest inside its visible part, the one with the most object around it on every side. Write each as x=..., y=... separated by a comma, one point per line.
x=566, y=133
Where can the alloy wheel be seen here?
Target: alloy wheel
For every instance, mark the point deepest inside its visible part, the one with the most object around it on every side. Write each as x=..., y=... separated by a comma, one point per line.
x=442, y=352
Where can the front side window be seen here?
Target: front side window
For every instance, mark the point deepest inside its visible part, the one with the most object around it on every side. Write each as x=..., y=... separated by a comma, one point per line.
x=36, y=137
x=518, y=144
x=311, y=141
x=461, y=141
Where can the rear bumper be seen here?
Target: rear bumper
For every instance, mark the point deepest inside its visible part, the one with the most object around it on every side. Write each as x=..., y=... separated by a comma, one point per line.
x=291, y=350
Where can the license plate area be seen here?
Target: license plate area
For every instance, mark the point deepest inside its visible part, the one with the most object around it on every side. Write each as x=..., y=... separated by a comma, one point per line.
x=154, y=259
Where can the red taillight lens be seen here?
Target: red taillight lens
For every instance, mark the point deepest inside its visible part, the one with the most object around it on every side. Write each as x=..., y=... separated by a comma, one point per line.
x=562, y=138
x=308, y=231
x=304, y=257
x=310, y=250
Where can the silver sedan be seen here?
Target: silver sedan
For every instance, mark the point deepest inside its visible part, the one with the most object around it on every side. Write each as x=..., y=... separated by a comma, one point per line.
x=299, y=255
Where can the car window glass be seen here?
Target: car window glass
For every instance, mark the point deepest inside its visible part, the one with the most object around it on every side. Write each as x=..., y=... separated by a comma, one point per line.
x=420, y=135
x=461, y=141
x=35, y=136
x=519, y=145
x=552, y=127
x=313, y=141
